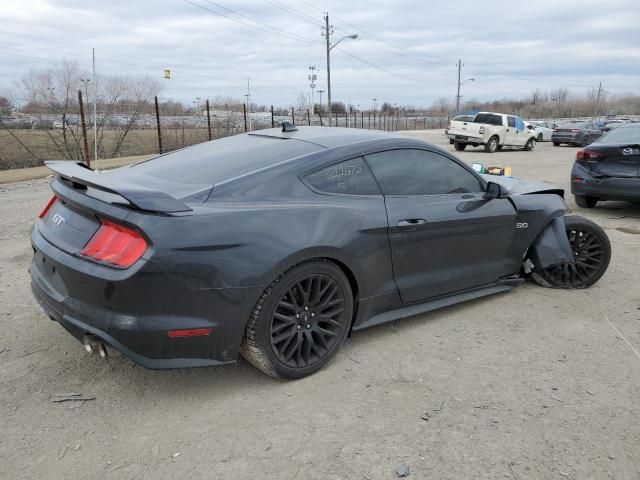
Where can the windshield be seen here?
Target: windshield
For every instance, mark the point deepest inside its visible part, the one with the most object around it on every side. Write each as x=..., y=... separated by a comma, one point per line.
x=626, y=135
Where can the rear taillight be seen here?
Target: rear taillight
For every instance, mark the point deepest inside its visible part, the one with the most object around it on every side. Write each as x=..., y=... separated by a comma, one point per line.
x=46, y=209
x=115, y=245
x=574, y=130
x=587, y=154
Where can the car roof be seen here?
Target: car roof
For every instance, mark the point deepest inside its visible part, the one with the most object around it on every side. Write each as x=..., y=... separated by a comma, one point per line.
x=332, y=137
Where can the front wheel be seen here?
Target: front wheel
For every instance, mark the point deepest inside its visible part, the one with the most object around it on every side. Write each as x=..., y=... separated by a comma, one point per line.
x=459, y=146
x=591, y=250
x=300, y=321
x=530, y=145
x=540, y=138
x=556, y=144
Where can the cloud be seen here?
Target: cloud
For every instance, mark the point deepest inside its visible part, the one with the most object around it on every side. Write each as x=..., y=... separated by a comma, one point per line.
x=511, y=48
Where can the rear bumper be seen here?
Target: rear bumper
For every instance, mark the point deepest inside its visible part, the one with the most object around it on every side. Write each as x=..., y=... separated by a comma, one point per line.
x=567, y=138
x=608, y=188
x=466, y=139
x=83, y=305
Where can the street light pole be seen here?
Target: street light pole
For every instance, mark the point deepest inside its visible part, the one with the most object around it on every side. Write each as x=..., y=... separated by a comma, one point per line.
x=328, y=30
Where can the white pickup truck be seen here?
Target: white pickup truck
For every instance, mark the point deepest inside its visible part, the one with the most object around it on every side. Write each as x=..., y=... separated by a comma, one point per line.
x=494, y=131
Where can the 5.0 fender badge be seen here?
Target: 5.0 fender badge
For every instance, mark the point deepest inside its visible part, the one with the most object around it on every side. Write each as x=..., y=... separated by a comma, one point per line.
x=522, y=225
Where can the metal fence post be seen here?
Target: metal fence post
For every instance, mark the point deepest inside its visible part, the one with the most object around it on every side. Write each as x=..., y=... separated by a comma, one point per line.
x=208, y=120
x=308, y=117
x=84, y=130
x=293, y=117
x=273, y=124
x=158, y=125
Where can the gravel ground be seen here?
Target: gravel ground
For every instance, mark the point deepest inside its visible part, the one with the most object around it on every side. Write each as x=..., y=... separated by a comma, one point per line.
x=534, y=383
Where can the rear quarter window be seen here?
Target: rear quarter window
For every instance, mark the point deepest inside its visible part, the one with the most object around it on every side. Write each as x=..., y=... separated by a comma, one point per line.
x=351, y=177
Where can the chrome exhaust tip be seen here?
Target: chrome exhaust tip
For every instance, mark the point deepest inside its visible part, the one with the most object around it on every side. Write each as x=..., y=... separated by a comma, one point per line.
x=94, y=345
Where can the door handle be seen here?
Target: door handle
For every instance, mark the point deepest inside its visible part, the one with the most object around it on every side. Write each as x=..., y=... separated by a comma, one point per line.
x=411, y=223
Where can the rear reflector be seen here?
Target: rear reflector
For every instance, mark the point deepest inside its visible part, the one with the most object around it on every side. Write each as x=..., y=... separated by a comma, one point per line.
x=577, y=180
x=46, y=209
x=115, y=245
x=586, y=154
x=193, y=332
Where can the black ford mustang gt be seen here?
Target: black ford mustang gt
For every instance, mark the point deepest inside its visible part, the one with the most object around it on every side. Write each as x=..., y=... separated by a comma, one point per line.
x=276, y=244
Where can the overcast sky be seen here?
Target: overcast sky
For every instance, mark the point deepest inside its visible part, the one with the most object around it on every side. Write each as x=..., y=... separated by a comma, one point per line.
x=406, y=50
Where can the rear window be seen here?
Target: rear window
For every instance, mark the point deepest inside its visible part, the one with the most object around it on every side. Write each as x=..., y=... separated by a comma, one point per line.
x=623, y=134
x=488, y=118
x=224, y=159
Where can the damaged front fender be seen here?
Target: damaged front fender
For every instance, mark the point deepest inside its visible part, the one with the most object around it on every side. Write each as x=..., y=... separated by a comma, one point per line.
x=551, y=246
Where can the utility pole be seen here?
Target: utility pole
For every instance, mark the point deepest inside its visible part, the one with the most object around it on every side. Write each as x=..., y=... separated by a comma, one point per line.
x=599, y=93
x=95, y=99
x=248, y=110
x=320, y=92
x=312, y=83
x=458, y=95
x=327, y=34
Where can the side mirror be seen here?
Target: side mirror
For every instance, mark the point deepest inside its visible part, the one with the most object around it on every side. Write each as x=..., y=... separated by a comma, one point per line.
x=495, y=190
x=530, y=127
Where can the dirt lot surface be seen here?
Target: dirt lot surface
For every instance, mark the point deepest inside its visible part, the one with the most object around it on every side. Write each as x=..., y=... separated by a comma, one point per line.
x=535, y=383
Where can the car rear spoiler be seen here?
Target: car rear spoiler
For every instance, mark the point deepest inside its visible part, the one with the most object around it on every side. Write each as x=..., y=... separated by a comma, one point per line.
x=139, y=197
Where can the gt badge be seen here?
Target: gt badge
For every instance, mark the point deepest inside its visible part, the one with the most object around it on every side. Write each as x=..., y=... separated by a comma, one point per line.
x=57, y=219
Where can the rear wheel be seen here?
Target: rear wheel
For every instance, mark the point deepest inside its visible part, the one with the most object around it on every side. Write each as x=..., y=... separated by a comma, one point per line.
x=459, y=146
x=556, y=144
x=530, y=145
x=300, y=321
x=585, y=202
x=492, y=145
x=451, y=141
x=585, y=141
x=540, y=138
x=591, y=250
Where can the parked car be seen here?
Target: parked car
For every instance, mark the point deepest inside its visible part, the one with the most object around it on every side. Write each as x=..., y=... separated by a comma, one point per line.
x=608, y=126
x=278, y=243
x=494, y=131
x=579, y=134
x=544, y=130
x=609, y=168
x=458, y=118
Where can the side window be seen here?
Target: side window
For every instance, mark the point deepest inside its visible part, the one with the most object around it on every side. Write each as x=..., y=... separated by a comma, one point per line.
x=352, y=177
x=421, y=172
x=511, y=121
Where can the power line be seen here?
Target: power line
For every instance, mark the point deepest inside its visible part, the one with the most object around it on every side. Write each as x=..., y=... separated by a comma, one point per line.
x=293, y=11
x=377, y=67
x=281, y=34
x=293, y=35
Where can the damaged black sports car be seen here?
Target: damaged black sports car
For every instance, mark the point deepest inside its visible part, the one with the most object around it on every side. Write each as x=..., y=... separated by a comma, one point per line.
x=278, y=243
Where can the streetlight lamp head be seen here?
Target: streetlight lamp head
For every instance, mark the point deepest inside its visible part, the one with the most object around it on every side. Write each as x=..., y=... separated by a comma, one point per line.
x=472, y=79
x=354, y=36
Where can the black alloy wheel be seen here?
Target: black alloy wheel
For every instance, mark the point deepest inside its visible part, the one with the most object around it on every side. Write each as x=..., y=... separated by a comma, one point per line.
x=300, y=321
x=592, y=253
x=307, y=321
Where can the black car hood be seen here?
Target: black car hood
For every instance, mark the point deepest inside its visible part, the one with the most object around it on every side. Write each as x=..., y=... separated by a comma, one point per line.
x=518, y=186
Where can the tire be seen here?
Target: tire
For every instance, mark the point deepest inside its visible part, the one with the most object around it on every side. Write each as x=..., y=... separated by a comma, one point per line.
x=539, y=140
x=451, y=140
x=300, y=321
x=585, y=202
x=500, y=147
x=592, y=251
x=585, y=142
x=530, y=145
x=556, y=144
x=459, y=146
x=491, y=145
